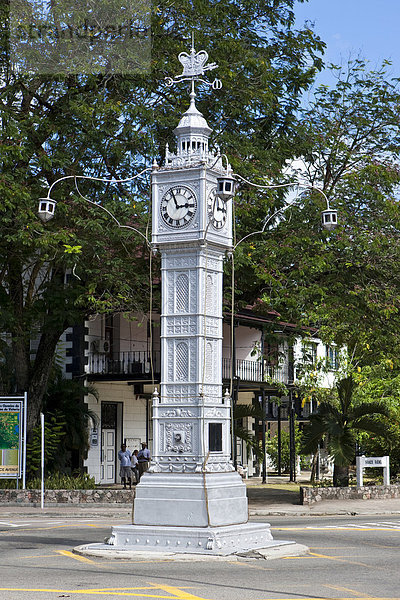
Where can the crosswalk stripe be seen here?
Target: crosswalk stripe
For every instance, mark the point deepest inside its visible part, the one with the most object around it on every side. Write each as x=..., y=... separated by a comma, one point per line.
x=383, y=524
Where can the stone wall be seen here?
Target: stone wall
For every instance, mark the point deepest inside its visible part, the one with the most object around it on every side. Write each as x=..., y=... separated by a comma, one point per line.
x=17, y=497
x=311, y=495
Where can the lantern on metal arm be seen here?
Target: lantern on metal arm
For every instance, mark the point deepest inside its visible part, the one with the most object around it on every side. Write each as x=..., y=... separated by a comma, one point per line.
x=225, y=187
x=46, y=208
x=329, y=218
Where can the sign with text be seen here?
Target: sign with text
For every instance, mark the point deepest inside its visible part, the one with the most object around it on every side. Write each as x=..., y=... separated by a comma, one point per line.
x=375, y=461
x=11, y=412
x=363, y=462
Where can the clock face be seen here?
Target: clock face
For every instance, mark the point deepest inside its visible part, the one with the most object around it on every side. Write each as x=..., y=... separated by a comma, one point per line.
x=178, y=206
x=216, y=210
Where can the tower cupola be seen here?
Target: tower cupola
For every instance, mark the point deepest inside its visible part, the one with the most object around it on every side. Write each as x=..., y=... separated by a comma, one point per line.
x=192, y=133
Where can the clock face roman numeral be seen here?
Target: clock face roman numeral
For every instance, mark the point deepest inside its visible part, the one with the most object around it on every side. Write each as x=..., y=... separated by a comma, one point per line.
x=178, y=206
x=216, y=209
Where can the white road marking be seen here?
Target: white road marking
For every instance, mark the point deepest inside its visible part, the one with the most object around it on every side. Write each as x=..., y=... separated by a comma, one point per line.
x=39, y=522
x=8, y=524
x=365, y=525
x=385, y=524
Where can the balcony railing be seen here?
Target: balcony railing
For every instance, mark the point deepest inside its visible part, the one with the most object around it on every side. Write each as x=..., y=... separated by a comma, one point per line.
x=135, y=364
x=258, y=371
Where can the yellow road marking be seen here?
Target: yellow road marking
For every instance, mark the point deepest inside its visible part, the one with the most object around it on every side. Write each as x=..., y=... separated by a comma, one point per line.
x=75, y=556
x=337, y=558
x=122, y=589
x=174, y=592
x=115, y=590
x=177, y=593
x=109, y=592
x=343, y=589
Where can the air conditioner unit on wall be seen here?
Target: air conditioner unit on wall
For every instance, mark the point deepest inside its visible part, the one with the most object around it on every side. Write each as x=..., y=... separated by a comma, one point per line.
x=100, y=346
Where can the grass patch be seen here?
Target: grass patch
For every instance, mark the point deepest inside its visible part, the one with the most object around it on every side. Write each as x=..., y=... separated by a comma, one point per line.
x=290, y=486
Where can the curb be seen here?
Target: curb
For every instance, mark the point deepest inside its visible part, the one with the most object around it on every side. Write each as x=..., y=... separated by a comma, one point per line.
x=322, y=513
x=285, y=550
x=124, y=512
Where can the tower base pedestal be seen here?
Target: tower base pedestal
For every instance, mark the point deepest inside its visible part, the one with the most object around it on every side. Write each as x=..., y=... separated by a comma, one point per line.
x=190, y=500
x=193, y=540
x=191, y=513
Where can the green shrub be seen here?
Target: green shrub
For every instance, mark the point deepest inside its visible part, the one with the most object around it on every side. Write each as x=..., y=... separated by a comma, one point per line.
x=56, y=481
x=54, y=433
x=8, y=484
x=59, y=481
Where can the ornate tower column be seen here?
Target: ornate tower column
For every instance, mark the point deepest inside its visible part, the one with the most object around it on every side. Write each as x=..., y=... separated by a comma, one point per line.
x=192, y=229
x=191, y=499
x=191, y=415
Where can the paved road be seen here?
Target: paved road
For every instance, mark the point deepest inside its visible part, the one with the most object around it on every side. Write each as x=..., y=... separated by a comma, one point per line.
x=350, y=557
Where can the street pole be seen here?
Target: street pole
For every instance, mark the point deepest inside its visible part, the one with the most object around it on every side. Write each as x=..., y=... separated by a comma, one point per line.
x=42, y=461
x=235, y=400
x=292, y=458
x=264, y=465
x=24, y=441
x=279, y=441
x=235, y=385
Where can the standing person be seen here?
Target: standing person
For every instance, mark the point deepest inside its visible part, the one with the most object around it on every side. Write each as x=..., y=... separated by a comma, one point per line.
x=125, y=472
x=135, y=467
x=143, y=459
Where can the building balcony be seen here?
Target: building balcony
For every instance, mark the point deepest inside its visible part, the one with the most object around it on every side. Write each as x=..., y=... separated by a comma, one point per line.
x=258, y=371
x=122, y=365
x=136, y=365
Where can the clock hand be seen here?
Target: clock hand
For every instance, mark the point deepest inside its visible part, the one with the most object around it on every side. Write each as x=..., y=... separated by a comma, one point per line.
x=175, y=200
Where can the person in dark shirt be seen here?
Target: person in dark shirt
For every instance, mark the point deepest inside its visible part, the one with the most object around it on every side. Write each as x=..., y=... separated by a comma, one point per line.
x=143, y=459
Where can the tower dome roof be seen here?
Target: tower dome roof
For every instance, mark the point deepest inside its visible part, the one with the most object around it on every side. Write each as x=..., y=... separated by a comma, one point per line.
x=192, y=121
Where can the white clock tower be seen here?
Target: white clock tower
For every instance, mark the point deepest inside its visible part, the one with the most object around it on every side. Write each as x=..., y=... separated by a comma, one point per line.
x=192, y=499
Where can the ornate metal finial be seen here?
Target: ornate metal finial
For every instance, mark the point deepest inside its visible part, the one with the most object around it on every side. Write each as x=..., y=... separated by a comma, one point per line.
x=194, y=66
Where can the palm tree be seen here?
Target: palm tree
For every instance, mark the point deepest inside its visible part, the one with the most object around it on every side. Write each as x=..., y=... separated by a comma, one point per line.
x=64, y=401
x=337, y=421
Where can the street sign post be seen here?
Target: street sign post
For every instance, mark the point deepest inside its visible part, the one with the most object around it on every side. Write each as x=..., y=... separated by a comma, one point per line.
x=372, y=461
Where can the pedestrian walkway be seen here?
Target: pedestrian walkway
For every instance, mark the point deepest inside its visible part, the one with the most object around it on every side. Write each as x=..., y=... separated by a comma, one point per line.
x=278, y=496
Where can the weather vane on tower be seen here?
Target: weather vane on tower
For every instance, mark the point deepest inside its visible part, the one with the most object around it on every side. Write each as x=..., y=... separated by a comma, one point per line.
x=194, y=66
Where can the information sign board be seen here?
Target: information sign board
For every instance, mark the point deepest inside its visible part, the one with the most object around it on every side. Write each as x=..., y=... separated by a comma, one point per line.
x=11, y=422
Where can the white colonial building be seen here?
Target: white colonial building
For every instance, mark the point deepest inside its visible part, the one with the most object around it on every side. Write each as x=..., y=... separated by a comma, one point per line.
x=121, y=357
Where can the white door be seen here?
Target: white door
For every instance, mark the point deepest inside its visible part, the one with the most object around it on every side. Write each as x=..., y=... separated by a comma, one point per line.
x=108, y=456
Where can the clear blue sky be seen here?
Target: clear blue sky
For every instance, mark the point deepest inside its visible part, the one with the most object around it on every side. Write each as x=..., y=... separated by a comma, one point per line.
x=351, y=27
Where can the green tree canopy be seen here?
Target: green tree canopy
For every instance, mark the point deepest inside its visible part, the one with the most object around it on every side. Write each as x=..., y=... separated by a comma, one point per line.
x=112, y=125
x=345, y=283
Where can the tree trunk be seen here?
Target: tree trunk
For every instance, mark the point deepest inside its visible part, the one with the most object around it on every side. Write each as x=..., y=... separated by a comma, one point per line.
x=40, y=377
x=20, y=334
x=21, y=358
x=314, y=466
x=340, y=476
